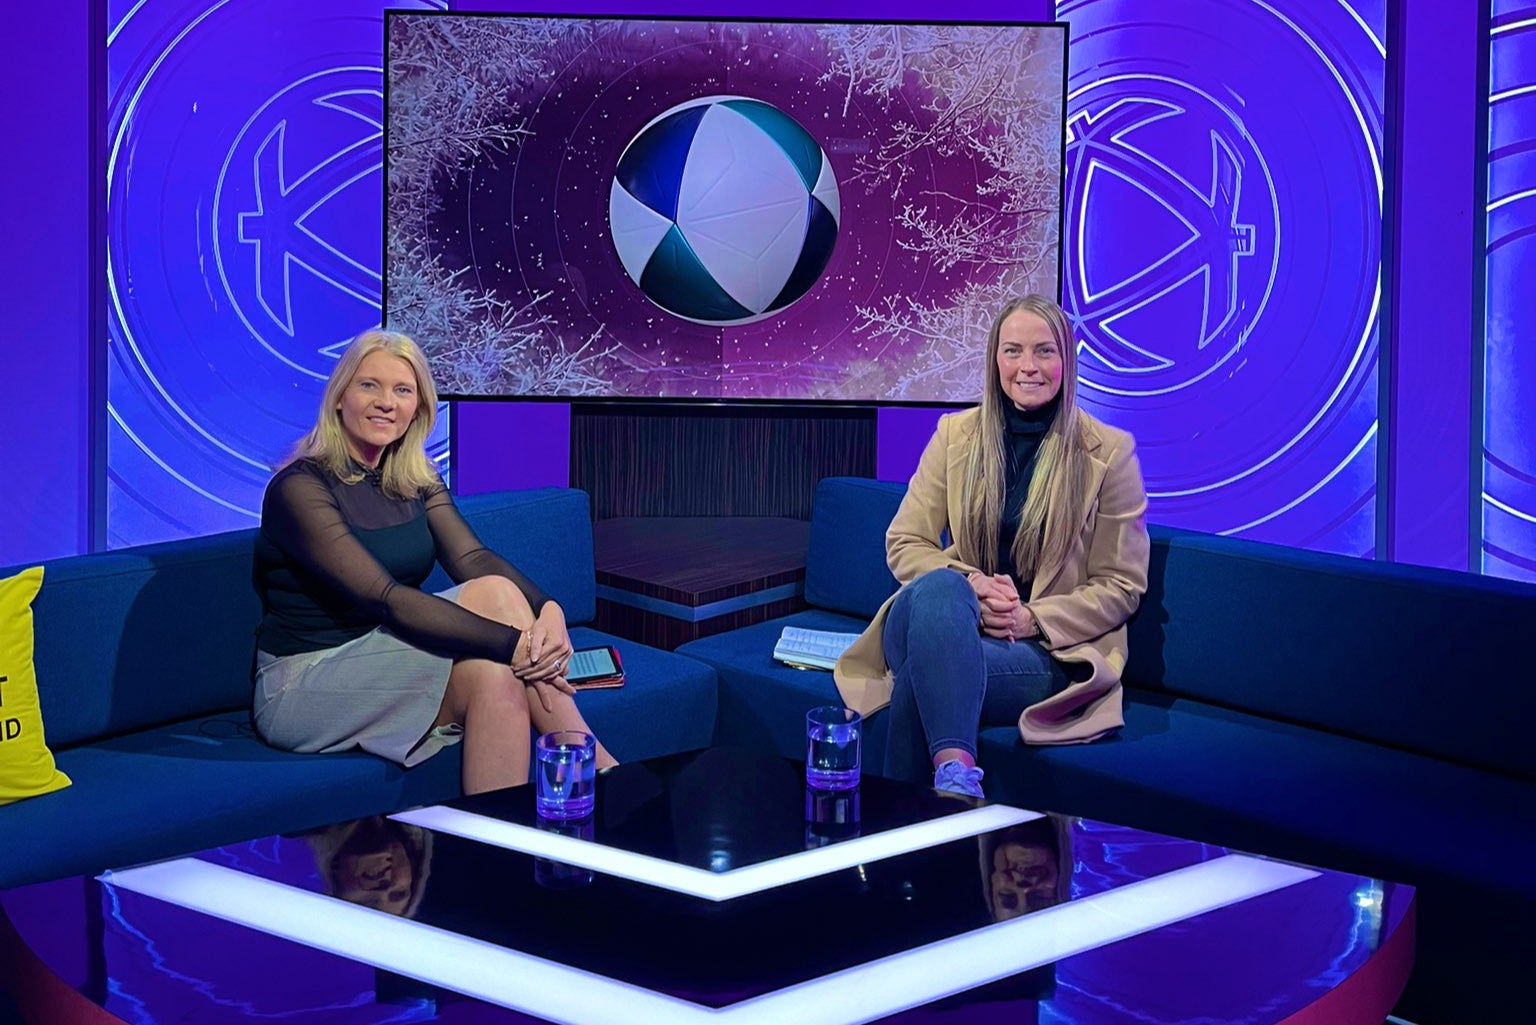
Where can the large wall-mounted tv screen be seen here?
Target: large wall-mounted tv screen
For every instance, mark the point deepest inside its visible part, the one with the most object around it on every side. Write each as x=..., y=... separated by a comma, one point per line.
x=683, y=209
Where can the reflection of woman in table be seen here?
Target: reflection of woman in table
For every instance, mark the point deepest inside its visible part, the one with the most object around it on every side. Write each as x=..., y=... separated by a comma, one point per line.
x=376, y=862
x=1027, y=867
x=1021, y=551
x=350, y=652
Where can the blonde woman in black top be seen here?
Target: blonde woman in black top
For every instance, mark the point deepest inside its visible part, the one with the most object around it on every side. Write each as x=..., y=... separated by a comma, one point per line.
x=350, y=652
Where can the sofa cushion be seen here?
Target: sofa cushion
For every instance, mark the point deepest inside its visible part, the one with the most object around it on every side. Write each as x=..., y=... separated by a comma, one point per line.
x=1203, y=772
x=845, y=568
x=183, y=787
x=1195, y=770
x=546, y=533
x=145, y=636
x=27, y=767
x=667, y=705
x=763, y=702
x=210, y=781
x=1427, y=660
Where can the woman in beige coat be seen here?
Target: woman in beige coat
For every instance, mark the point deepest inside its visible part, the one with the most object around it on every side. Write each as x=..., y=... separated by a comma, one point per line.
x=1021, y=550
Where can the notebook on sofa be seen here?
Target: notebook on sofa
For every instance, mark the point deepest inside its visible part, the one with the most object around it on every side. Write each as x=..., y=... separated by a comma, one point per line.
x=811, y=649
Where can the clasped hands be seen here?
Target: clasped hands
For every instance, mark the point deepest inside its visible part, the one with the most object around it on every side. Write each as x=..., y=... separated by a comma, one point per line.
x=1003, y=614
x=542, y=654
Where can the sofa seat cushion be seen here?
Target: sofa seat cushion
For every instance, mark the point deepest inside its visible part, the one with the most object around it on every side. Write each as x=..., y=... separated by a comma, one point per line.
x=667, y=704
x=763, y=702
x=1190, y=769
x=194, y=784
x=1411, y=657
x=1461, y=835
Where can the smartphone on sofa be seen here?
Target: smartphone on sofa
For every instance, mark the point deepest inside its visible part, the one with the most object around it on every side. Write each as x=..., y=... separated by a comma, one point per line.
x=591, y=668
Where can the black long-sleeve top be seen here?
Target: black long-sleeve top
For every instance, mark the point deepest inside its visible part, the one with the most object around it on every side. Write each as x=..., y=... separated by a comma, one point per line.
x=335, y=560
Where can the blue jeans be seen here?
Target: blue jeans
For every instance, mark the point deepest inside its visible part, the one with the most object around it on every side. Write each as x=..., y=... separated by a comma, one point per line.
x=950, y=678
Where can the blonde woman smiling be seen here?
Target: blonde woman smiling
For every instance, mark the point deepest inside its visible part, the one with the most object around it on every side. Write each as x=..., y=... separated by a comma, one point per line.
x=1018, y=614
x=350, y=652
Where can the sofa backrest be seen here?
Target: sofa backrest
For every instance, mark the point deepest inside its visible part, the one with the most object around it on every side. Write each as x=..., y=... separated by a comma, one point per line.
x=1427, y=660
x=146, y=635
x=142, y=636
x=546, y=533
x=845, y=568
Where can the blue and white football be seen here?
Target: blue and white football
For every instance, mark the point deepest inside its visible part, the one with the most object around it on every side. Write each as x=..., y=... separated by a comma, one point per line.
x=724, y=210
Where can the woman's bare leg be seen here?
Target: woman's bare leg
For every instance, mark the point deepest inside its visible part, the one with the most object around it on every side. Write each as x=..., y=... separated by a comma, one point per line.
x=564, y=716
x=492, y=706
x=499, y=599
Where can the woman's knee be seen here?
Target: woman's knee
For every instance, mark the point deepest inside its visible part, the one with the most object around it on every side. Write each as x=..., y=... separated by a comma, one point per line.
x=496, y=598
x=479, y=683
x=935, y=609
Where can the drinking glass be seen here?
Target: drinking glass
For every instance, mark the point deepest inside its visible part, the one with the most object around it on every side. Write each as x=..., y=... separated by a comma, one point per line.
x=566, y=774
x=832, y=737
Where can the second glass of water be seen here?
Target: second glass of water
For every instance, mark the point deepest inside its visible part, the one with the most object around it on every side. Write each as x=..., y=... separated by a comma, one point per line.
x=832, y=742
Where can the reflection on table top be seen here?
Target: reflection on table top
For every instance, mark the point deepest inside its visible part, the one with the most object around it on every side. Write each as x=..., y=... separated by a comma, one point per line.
x=713, y=886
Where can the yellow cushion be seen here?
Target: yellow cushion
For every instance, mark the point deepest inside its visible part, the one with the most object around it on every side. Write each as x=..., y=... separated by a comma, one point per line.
x=26, y=764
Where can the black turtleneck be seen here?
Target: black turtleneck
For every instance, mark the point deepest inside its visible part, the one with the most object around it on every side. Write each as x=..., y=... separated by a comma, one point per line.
x=1023, y=430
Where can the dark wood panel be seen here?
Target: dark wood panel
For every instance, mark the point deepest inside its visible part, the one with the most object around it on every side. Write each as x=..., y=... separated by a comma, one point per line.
x=695, y=560
x=664, y=632
x=661, y=460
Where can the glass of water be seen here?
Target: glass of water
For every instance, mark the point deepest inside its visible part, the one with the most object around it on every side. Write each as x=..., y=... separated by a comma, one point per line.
x=565, y=767
x=832, y=736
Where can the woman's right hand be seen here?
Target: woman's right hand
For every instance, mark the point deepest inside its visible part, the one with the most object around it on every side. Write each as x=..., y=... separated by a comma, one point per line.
x=995, y=593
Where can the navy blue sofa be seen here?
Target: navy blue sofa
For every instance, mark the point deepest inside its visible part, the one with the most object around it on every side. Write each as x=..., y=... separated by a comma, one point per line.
x=1346, y=713
x=143, y=661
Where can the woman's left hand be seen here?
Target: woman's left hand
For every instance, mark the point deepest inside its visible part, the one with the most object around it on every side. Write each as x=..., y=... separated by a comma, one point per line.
x=549, y=648
x=1011, y=624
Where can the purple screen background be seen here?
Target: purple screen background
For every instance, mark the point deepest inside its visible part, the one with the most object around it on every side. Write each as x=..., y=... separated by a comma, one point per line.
x=945, y=142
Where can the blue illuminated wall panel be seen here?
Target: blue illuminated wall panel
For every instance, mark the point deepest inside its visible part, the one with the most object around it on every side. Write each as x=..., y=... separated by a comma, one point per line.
x=1509, y=378
x=1222, y=253
x=1223, y=264
x=244, y=207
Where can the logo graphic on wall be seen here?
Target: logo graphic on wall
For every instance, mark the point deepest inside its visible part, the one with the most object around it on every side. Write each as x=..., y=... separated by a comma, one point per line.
x=1222, y=265
x=296, y=216
x=1165, y=306
x=244, y=243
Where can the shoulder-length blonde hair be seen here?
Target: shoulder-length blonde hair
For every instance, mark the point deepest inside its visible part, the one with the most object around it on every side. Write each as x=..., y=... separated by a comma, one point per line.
x=406, y=470
x=1056, y=490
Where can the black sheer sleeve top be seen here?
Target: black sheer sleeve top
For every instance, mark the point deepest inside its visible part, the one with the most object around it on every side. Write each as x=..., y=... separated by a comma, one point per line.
x=334, y=560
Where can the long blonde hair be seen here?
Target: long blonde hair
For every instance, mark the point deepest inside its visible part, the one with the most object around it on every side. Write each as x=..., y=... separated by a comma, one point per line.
x=406, y=470
x=1060, y=480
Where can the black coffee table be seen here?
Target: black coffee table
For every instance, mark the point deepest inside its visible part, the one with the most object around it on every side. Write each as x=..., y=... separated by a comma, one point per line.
x=713, y=888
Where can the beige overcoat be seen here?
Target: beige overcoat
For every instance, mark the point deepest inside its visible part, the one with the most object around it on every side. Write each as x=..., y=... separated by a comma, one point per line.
x=1081, y=605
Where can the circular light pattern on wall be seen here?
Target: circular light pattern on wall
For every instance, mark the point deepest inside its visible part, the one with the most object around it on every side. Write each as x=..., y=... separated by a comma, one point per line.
x=1223, y=224
x=1509, y=365
x=244, y=244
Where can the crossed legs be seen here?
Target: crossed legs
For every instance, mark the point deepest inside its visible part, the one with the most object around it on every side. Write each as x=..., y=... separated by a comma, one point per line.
x=949, y=678
x=496, y=709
